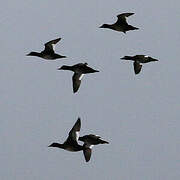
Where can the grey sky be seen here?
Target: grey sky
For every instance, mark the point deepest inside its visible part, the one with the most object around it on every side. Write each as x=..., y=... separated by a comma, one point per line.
x=138, y=115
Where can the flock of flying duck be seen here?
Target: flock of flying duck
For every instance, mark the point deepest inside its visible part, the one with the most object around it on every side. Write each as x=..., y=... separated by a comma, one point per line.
x=71, y=143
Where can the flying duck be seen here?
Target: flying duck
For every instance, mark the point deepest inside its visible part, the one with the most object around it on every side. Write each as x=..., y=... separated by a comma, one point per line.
x=79, y=70
x=137, y=60
x=121, y=24
x=92, y=139
x=71, y=143
x=49, y=51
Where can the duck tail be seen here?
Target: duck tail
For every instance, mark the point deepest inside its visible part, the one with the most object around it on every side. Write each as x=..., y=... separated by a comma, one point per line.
x=104, y=142
x=132, y=28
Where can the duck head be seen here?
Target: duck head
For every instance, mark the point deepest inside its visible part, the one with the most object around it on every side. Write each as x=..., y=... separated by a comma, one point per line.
x=64, y=67
x=104, y=26
x=54, y=145
x=127, y=58
x=32, y=54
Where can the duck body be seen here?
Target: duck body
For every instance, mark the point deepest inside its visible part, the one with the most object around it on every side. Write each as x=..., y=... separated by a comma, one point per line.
x=47, y=56
x=121, y=24
x=140, y=58
x=70, y=146
x=49, y=52
x=92, y=139
x=121, y=28
x=79, y=70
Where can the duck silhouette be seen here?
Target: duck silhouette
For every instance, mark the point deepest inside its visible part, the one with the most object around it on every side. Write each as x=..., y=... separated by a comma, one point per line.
x=79, y=70
x=139, y=59
x=121, y=24
x=49, y=52
x=92, y=139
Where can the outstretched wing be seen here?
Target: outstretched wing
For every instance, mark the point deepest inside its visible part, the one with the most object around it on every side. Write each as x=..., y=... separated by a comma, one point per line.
x=76, y=81
x=74, y=132
x=50, y=46
x=122, y=18
x=137, y=67
x=87, y=150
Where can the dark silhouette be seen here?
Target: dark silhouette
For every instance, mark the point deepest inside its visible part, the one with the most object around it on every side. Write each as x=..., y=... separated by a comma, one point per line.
x=139, y=59
x=49, y=51
x=121, y=24
x=92, y=139
x=79, y=71
x=71, y=143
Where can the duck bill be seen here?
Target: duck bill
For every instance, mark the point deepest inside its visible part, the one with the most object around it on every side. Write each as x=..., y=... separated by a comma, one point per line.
x=59, y=68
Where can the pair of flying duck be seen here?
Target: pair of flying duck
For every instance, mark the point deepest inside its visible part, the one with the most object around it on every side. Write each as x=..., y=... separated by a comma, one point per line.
x=49, y=51
x=71, y=143
x=122, y=26
x=79, y=69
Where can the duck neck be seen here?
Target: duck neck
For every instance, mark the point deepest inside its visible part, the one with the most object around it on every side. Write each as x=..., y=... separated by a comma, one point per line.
x=66, y=68
x=35, y=54
x=58, y=145
x=127, y=58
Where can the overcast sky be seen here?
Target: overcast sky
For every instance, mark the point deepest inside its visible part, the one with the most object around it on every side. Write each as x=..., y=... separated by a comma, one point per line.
x=138, y=114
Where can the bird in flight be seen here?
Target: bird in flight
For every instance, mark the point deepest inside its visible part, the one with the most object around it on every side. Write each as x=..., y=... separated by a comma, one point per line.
x=79, y=70
x=121, y=24
x=49, y=51
x=137, y=60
